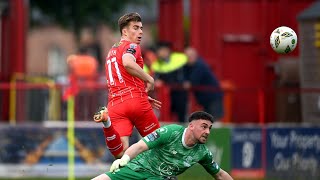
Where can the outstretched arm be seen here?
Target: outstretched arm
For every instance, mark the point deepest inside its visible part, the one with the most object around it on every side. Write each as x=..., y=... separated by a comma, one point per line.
x=129, y=154
x=136, y=149
x=222, y=175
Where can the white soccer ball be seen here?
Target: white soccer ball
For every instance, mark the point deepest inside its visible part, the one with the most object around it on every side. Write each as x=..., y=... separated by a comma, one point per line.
x=283, y=40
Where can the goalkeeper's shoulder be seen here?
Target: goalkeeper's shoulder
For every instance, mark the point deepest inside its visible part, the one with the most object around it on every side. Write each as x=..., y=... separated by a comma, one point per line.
x=171, y=127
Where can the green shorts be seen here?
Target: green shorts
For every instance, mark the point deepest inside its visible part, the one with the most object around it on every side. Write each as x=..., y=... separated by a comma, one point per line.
x=126, y=173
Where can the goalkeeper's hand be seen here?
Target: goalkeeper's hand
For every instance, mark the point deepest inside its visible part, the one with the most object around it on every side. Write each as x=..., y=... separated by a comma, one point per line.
x=101, y=115
x=119, y=163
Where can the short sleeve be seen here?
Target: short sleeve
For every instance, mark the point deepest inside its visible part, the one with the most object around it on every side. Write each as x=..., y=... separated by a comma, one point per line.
x=133, y=49
x=209, y=164
x=158, y=137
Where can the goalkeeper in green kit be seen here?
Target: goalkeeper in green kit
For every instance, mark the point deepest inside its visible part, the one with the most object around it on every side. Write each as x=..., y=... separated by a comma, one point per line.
x=168, y=152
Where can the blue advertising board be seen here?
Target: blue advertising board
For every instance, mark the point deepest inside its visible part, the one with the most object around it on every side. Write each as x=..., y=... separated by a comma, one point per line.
x=293, y=152
x=246, y=148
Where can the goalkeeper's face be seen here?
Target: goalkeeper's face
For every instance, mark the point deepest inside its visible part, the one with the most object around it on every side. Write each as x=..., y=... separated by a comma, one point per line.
x=201, y=130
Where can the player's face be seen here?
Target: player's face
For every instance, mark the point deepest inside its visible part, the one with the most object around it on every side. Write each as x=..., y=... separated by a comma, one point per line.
x=201, y=130
x=134, y=32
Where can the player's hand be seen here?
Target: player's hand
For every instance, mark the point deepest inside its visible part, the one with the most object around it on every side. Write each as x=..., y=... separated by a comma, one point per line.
x=155, y=103
x=101, y=115
x=119, y=163
x=150, y=85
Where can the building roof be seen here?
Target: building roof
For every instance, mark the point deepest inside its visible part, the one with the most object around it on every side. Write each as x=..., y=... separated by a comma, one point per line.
x=312, y=12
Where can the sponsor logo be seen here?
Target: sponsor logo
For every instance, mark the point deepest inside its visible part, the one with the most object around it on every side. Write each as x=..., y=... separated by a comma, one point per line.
x=286, y=34
x=152, y=136
x=146, y=138
x=133, y=46
x=168, y=169
x=131, y=51
x=110, y=138
x=148, y=128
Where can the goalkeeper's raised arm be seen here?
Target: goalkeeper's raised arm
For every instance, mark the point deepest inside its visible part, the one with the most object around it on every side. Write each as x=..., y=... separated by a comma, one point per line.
x=129, y=154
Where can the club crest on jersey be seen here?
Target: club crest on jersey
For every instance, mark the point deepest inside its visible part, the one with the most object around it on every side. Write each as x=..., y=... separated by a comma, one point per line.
x=163, y=130
x=168, y=169
x=152, y=136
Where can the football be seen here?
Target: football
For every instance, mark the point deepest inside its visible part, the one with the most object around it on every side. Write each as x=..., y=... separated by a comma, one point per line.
x=283, y=40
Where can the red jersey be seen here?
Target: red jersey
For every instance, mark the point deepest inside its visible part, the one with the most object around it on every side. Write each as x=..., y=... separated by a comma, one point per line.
x=121, y=84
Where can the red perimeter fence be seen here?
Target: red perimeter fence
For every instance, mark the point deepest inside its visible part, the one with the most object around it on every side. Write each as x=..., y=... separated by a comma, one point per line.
x=38, y=101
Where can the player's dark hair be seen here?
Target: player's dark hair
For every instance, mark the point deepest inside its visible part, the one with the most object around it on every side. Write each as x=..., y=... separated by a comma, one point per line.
x=127, y=18
x=201, y=115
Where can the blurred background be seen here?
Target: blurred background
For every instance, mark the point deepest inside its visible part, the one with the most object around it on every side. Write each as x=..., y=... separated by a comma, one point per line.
x=267, y=105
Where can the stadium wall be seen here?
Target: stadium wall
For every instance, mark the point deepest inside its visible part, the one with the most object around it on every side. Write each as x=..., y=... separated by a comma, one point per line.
x=233, y=37
x=273, y=152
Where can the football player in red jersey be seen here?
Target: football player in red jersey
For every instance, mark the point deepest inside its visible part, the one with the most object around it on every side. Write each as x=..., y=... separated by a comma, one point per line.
x=128, y=102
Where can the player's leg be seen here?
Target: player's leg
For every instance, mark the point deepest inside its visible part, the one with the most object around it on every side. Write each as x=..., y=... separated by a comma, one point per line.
x=147, y=123
x=122, y=124
x=125, y=142
x=113, y=141
x=145, y=120
x=116, y=130
x=102, y=177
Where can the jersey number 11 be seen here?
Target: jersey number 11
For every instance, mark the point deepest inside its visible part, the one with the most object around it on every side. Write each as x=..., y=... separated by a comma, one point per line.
x=115, y=65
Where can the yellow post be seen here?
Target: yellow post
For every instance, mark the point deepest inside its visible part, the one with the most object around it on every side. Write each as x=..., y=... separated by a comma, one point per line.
x=12, y=105
x=317, y=35
x=70, y=133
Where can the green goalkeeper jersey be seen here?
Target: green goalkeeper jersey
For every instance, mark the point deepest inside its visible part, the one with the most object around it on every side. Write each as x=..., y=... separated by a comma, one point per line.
x=168, y=154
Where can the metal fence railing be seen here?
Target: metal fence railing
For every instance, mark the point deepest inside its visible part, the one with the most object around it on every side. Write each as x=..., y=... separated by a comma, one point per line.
x=36, y=99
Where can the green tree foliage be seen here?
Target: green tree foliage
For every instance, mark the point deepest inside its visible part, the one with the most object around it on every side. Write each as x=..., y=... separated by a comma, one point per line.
x=76, y=13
